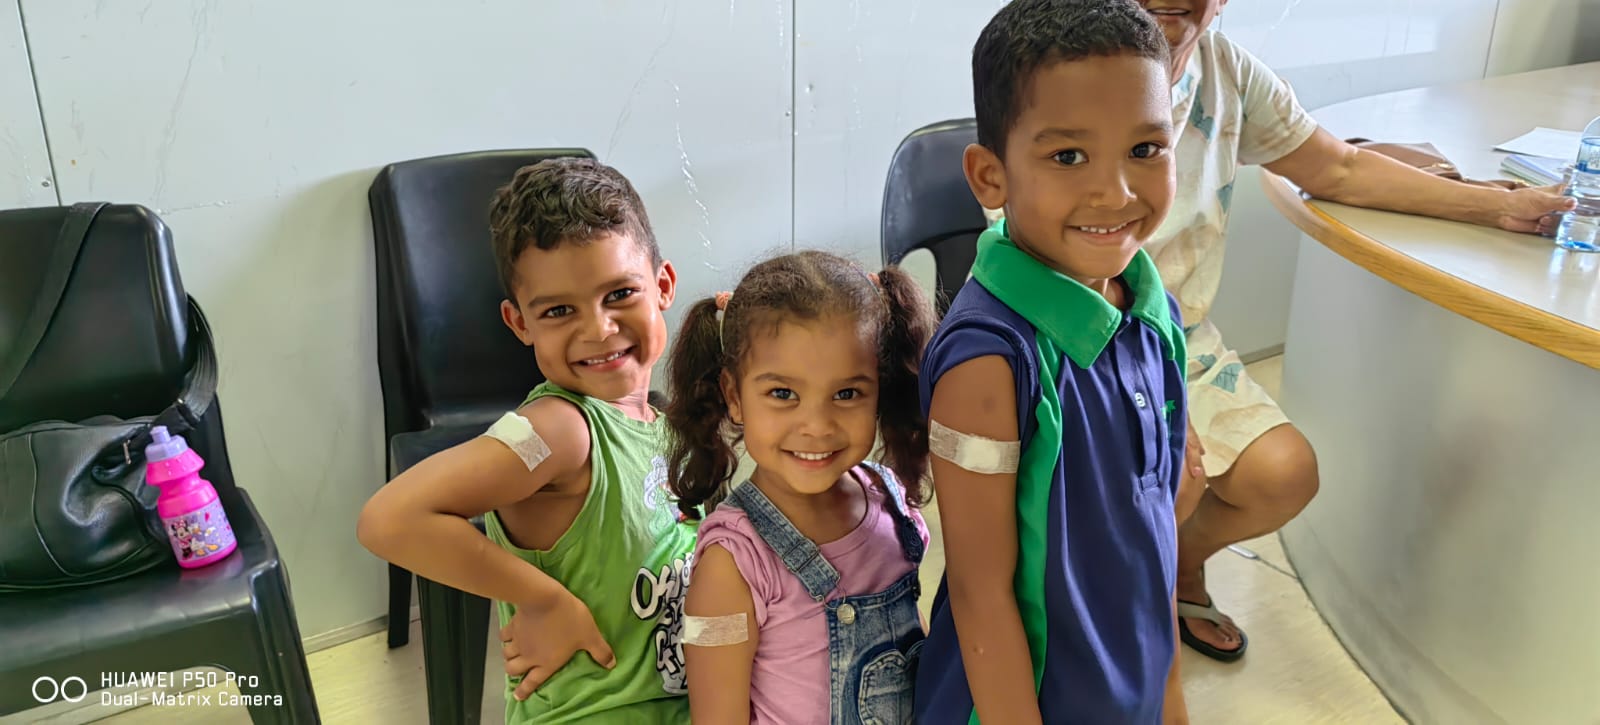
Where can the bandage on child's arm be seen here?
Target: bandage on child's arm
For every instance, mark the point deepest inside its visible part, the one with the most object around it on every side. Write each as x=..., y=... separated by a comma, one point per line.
x=518, y=434
x=728, y=629
x=973, y=452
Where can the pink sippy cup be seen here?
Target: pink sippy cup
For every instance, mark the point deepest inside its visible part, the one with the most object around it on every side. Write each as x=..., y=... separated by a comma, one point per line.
x=191, y=513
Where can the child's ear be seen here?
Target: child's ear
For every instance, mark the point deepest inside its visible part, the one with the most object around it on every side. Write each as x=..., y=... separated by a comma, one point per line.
x=730, y=394
x=985, y=175
x=512, y=316
x=667, y=284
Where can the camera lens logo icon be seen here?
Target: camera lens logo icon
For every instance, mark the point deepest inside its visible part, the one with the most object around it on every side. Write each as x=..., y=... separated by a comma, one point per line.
x=48, y=689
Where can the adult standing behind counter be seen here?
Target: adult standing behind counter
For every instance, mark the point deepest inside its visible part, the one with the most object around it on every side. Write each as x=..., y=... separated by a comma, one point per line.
x=1249, y=470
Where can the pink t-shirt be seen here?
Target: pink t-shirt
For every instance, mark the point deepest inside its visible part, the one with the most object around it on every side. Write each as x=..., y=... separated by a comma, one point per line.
x=789, y=678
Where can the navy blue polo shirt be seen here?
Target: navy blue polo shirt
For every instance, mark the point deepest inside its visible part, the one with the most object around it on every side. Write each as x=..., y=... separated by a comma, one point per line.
x=1102, y=606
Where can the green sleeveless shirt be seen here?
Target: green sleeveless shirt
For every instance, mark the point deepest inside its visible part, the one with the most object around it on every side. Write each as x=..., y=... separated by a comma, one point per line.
x=624, y=556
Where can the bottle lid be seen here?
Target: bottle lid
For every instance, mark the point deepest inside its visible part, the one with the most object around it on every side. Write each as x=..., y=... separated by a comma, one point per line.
x=1593, y=129
x=164, y=445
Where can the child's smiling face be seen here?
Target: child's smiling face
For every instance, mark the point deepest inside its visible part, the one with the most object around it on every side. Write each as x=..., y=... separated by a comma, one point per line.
x=1088, y=173
x=807, y=397
x=593, y=312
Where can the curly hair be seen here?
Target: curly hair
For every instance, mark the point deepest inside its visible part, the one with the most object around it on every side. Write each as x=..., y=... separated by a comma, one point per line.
x=563, y=200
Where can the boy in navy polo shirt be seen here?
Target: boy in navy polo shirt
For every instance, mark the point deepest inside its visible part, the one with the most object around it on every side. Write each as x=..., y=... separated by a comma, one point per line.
x=1054, y=384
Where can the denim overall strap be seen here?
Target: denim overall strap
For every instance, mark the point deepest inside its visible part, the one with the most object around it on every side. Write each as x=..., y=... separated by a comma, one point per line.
x=905, y=529
x=874, y=639
x=799, y=554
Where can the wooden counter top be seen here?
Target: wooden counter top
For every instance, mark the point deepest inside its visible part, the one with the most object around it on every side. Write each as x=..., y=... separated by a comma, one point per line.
x=1519, y=284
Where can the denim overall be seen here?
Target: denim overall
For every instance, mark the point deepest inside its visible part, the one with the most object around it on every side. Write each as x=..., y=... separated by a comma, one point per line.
x=873, y=639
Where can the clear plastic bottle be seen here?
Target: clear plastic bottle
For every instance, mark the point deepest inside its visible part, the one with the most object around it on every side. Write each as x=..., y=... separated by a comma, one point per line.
x=1580, y=228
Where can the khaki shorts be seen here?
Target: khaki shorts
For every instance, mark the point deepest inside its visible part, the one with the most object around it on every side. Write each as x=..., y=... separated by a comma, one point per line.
x=1227, y=408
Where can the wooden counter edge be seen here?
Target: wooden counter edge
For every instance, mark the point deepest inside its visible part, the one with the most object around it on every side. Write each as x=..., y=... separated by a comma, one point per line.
x=1519, y=320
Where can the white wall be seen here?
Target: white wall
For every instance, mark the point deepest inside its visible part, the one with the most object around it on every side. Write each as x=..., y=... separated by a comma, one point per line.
x=24, y=162
x=256, y=127
x=868, y=73
x=1534, y=34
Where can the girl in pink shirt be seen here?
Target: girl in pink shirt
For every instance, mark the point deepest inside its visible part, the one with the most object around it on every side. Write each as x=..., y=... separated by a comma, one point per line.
x=802, y=606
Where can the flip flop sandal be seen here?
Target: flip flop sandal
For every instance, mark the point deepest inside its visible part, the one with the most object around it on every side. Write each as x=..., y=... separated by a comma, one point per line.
x=1209, y=613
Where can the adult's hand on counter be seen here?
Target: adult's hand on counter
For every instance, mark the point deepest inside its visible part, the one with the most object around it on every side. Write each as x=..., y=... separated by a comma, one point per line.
x=1534, y=210
x=1329, y=168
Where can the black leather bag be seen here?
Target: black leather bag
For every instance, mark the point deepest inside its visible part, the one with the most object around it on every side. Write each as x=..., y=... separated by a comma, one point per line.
x=74, y=508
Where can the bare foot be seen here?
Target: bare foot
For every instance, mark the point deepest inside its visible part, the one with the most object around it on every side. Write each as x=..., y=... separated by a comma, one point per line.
x=1226, y=636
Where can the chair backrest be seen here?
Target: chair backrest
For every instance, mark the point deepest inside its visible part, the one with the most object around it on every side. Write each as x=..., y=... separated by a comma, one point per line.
x=444, y=356
x=928, y=205
x=117, y=342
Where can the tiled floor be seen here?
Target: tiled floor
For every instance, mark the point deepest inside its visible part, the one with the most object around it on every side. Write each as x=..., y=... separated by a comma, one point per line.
x=1296, y=671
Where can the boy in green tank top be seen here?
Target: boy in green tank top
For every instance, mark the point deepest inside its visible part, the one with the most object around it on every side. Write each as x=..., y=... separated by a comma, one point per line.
x=585, y=553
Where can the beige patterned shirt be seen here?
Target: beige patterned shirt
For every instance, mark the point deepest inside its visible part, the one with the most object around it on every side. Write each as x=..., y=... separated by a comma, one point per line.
x=1232, y=111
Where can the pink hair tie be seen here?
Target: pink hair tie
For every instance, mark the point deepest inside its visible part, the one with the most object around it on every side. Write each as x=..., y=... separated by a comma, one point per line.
x=722, y=309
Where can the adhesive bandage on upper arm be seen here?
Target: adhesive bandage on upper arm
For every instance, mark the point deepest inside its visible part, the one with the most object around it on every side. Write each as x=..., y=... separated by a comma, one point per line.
x=972, y=452
x=518, y=434
x=715, y=631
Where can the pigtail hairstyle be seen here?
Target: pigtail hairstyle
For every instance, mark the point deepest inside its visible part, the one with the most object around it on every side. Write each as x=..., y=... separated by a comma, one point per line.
x=802, y=286
x=906, y=328
x=700, y=459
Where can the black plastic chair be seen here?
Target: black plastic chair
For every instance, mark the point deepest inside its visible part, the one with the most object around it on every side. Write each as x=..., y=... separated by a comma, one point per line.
x=928, y=205
x=237, y=614
x=449, y=368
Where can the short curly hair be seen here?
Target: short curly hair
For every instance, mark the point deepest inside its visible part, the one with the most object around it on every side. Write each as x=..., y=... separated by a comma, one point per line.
x=561, y=201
